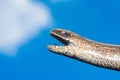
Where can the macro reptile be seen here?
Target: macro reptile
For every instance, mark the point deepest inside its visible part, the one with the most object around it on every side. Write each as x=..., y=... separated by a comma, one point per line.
x=86, y=50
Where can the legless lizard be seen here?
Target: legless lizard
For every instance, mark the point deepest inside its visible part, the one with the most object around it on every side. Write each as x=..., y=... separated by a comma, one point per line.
x=86, y=50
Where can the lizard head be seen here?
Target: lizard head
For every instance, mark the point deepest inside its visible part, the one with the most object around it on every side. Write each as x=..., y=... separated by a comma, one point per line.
x=68, y=38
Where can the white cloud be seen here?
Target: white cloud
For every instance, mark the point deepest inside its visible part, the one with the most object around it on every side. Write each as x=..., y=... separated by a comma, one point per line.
x=20, y=20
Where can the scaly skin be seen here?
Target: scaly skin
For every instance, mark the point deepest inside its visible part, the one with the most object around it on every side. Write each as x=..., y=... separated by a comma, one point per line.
x=89, y=51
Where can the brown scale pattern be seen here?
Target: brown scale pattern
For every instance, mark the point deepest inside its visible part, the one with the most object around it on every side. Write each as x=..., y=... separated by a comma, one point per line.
x=86, y=50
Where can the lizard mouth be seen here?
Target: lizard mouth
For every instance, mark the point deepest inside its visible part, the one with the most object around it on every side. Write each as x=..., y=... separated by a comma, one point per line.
x=60, y=38
x=64, y=37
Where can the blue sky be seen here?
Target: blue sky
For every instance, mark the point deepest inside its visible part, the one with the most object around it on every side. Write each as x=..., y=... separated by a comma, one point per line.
x=24, y=56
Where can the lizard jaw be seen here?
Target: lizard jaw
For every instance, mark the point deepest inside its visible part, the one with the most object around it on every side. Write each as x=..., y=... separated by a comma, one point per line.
x=62, y=39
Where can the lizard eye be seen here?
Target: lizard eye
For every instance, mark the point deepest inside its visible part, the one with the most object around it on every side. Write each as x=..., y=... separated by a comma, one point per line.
x=66, y=34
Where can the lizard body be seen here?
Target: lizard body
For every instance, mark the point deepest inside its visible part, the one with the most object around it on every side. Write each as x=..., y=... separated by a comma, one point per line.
x=86, y=50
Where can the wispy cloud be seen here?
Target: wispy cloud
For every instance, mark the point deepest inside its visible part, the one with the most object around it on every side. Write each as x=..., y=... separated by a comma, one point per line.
x=20, y=20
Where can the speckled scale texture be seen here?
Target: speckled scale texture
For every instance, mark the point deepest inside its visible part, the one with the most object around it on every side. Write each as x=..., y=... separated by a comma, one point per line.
x=86, y=50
